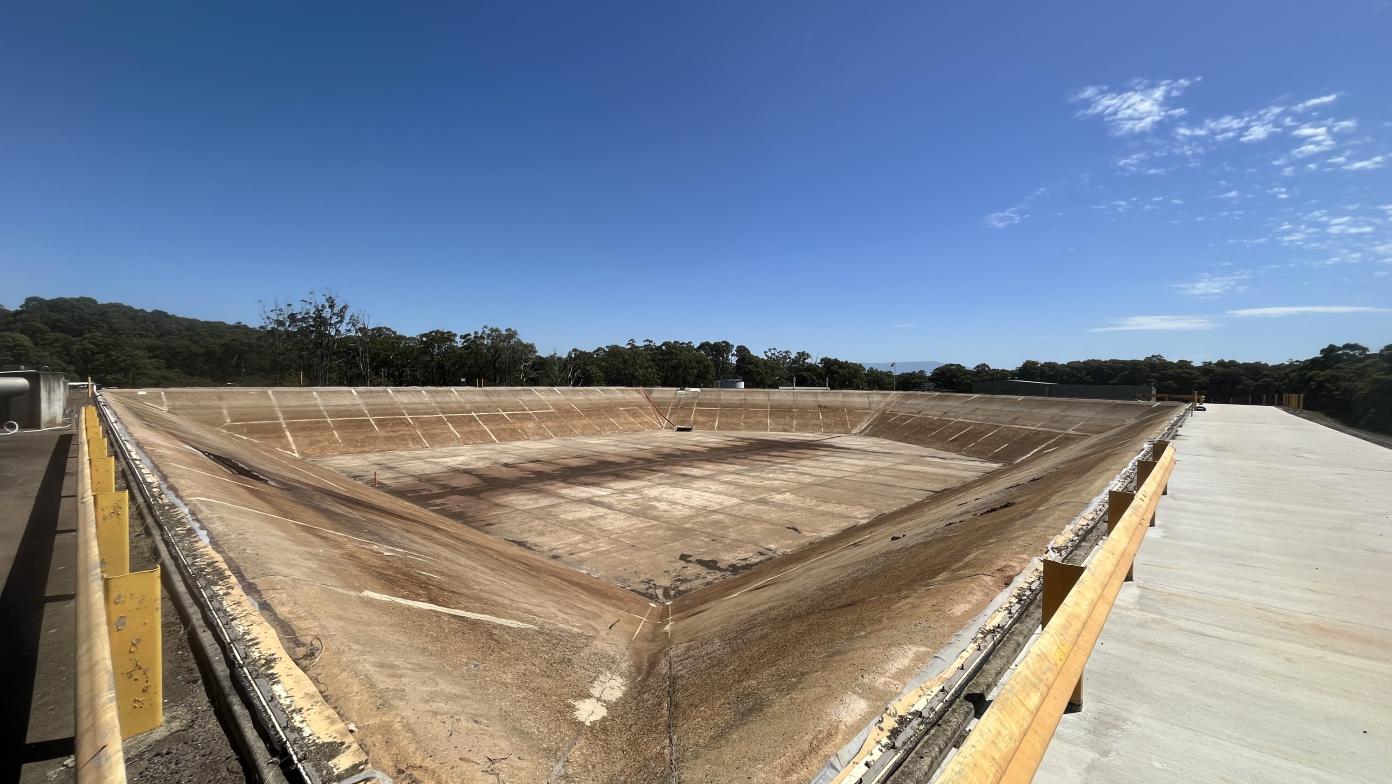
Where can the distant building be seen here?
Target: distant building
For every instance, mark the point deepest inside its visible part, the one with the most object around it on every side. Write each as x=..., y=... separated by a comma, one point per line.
x=1023, y=388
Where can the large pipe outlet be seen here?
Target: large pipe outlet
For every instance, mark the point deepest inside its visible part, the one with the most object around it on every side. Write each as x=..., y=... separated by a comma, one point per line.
x=11, y=386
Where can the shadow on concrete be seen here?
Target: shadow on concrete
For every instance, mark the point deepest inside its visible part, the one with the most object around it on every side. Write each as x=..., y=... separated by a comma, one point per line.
x=21, y=616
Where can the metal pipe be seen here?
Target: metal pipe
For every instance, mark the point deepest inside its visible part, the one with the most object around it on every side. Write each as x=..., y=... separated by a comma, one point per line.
x=13, y=385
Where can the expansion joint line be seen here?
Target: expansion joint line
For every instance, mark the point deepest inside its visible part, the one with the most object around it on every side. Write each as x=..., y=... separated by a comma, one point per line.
x=673, y=774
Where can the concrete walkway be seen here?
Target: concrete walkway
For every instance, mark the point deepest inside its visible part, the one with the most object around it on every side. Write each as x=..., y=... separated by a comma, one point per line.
x=38, y=512
x=1256, y=642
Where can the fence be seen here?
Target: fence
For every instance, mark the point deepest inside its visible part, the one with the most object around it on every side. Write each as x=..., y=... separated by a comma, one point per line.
x=119, y=671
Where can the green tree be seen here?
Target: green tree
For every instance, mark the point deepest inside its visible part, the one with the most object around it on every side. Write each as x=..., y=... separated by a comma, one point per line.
x=951, y=377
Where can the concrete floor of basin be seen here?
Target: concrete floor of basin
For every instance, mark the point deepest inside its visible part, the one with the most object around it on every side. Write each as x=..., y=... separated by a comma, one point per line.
x=663, y=513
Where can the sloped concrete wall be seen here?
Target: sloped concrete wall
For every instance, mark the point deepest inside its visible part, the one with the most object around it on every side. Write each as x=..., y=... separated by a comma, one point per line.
x=997, y=428
x=318, y=422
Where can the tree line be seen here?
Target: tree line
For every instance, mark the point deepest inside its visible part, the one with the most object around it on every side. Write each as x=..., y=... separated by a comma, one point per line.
x=320, y=341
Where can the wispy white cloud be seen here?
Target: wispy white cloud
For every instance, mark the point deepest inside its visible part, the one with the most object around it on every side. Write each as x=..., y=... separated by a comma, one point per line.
x=1316, y=102
x=1296, y=310
x=1258, y=130
x=1323, y=100
x=1137, y=109
x=1314, y=140
x=1345, y=225
x=1158, y=323
x=1215, y=285
x=999, y=220
x=1149, y=104
x=1375, y=162
x=1013, y=215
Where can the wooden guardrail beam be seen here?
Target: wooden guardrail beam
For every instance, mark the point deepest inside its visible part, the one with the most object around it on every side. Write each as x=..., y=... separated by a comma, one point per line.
x=1009, y=741
x=99, y=757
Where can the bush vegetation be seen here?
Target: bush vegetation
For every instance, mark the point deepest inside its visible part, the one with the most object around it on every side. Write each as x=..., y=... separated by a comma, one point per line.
x=320, y=341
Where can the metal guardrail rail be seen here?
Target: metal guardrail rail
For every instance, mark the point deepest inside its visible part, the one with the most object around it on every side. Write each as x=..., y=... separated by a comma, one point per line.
x=1009, y=741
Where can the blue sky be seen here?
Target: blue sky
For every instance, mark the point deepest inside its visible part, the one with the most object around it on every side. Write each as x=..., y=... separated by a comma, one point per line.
x=956, y=181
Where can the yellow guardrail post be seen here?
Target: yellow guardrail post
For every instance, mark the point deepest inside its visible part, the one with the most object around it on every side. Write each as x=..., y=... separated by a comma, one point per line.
x=1059, y=579
x=1159, y=449
x=1144, y=468
x=1009, y=741
x=1118, y=501
x=113, y=532
x=133, y=623
x=103, y=470
x=98, y=755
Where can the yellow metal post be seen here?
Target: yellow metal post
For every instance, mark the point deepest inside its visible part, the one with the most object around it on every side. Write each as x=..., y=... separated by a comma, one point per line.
x=113, y=532
x=133, y=625
x=1059, y=578
x=103, y=474
x=1118, y=501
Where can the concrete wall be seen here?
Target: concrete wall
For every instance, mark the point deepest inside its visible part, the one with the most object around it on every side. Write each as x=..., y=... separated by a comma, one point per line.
x=41, y=406
x=1012, y=387
x=1104, y=391
x=1048, y=389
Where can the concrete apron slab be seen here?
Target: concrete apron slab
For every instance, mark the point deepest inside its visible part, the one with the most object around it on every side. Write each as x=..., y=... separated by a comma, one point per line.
x=1254, y=643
